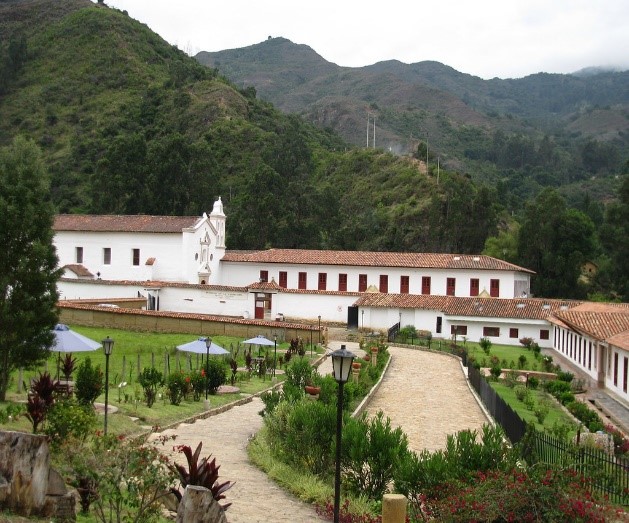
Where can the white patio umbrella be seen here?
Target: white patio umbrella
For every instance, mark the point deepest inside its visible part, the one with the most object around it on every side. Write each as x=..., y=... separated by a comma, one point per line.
x=199, y=346
x=260, y=340
x=66, y=340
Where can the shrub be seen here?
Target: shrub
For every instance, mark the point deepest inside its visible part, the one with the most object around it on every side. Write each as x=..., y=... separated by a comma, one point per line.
x=197, y=381
x=495, y=372
x=67, y=419
x=124, y=481
x=371, y=451
x=485, y=344
x=299, y=372
x=521, y=392
x=202, y=473
x=409, y=331
x=216, y=374
x=526, y=342
x=533, y=382
x=36, y=410
x=310, y=432
x=565, y=397
x=88, y=384
x=150, y=379
x=67, y=368
x=176, y=387
x=541, y=411
x=521, y=361
x=586, y=415
x=565, y=376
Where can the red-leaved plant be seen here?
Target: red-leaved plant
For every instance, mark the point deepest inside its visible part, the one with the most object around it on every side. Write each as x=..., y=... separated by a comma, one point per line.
x=202, y=473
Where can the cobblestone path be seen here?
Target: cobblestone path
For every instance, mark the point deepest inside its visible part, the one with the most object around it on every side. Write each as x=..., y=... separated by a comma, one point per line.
x=427, y=395
x=424, y=393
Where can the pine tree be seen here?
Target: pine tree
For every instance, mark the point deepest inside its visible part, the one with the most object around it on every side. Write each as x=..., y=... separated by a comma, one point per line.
x=28, y=273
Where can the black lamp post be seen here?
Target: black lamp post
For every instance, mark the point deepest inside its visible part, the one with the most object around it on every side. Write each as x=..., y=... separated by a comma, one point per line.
x=274, y=353
x=108, y=345
x=208, y=343
x=341, y=363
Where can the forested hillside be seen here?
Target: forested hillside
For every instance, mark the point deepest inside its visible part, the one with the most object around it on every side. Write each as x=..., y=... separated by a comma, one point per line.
x=566, y=131
x=129, y=124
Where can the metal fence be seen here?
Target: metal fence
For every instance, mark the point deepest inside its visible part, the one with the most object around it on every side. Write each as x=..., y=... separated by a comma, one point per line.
x=608, y=473
x=511, y=423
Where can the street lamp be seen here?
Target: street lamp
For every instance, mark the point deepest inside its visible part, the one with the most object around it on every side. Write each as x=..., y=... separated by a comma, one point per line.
x=108, y=345
x=341, y=365
x=274, y=353
x=208, y=343
x=319, y=329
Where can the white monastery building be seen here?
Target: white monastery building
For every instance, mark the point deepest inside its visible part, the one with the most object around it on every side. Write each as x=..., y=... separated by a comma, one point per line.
x=181, y=264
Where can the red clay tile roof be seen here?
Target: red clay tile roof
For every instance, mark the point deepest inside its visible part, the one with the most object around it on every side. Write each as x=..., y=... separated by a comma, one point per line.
x=525, y=308
x=126, y=223
x=601, y=325
x=79, y=270
x=373, y=259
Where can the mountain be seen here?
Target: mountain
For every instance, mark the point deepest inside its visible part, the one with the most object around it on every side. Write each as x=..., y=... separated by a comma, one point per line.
x=485, y=128
x=128, y=124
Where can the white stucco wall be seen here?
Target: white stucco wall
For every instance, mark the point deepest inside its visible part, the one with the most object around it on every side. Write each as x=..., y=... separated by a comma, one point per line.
x=241, y=274
x=621, y=387
x=165, y=248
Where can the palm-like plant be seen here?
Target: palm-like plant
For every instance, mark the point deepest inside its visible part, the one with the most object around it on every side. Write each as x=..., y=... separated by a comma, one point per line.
x=202, y=473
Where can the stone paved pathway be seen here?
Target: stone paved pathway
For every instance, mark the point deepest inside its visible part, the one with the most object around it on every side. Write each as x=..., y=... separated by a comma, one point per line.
x=425, y=394
x=254, y=497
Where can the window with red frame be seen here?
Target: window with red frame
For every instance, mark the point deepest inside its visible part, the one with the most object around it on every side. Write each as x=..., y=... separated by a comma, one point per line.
x=491, y=332
x=404, y=284
x=425, y=284
x=264, y=276
x=450, y=286
x=283, y=279
x=459, y=330
x=384, y=283
x=323, y=281
x=301, y=280
x=494, y=288
x=342, y=282
x=514, y=333
x=474, y=287
x=544, y=334
x=362, y=282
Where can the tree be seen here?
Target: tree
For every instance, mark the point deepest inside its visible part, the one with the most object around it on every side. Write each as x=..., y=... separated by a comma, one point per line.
x=554, y=242
x=28, y=273
x=615, y=239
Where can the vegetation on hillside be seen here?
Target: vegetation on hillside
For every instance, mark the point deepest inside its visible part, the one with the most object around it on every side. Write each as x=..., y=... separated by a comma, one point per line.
x=129, y=124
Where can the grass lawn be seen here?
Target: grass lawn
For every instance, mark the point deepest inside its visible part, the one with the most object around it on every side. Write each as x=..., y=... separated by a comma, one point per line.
x=556, y=415
x=149, y=349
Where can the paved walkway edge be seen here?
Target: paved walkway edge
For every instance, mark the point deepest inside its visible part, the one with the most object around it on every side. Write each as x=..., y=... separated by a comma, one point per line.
x=363, y=404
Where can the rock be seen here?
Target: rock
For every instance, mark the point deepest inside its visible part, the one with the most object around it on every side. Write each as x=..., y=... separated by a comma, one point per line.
x=56, y=485
x=198, y=506
x=24, y=462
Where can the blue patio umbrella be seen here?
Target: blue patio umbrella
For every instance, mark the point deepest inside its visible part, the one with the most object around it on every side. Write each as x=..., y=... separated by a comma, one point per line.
x=68, y=341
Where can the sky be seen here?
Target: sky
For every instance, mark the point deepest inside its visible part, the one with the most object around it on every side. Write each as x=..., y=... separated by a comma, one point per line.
x=485, y=38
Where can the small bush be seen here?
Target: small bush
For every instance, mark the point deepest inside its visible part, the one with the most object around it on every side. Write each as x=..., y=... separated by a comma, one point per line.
x=67, y=419
x=372, y=450
x=565, y=376
x=495, y=372
x=150, y=379
x=533, y=382
x=216, y=373
x=520, y=392
x=521, y=361
x=299, y=372
x=485, y=344
x=176, y=387
x=88, y=384
x=541, y=411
